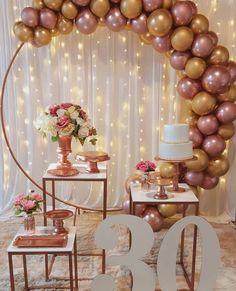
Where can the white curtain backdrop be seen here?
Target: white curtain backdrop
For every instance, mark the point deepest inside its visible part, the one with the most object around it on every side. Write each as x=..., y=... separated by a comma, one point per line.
x=127, y=88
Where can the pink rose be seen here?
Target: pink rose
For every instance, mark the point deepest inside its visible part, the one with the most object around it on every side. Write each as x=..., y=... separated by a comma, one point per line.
x=53, y=109
x=143, y=168
x=151, y=165
x=139, y=165
x=83, y=114
x=66, y=105
x=28, y=205
x=19, y=199
x=63, y=121
x=38, y=197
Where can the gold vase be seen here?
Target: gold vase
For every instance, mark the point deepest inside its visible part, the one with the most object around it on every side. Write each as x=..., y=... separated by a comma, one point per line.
x=29, y=223
x=64, y=167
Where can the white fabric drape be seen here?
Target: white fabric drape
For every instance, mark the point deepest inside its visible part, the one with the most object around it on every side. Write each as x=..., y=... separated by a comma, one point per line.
x=127, y=88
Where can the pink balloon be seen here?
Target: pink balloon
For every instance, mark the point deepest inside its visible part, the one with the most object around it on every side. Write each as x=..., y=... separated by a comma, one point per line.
x=139, y=24
x=86, y=22
x=125, y=206
x=115, y=21
x=195, y=136
x=81, y=2
x=30, y=16
x=151, y=5
x=213, y=36
x=194, y=178
x=216, y=79
x=214, y=145
x=115, y=1
x=35, y=44
x=232, y=70
x=209, y=182
x=162, y=44
x=48, y=18
x=139, y=209
x=226, y=112
x=193, y=7
x=208, y=124
x=153, y=217
x=203, y=45
x=178, y=60
x=182, y=13
x=188, y=88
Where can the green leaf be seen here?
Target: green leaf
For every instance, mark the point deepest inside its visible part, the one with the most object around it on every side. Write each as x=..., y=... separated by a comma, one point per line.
x=54, y=138
x=18, y=211
x=93, y=141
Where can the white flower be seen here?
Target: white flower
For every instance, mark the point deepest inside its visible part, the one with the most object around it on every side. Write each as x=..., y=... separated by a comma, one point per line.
x=73, y=112
x=46, y=124
x=67, y=130
x=83, y=131
x=61, y=112
x=80, y=121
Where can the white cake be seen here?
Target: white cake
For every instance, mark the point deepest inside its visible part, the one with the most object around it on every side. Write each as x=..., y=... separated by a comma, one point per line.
x=175, y=144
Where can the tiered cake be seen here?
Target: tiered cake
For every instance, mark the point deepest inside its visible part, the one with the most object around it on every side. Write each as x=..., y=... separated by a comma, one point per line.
x=175, y=144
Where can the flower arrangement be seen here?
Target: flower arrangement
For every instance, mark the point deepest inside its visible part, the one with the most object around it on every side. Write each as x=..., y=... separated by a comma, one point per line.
x=66, y=119
x=28, y=203
x=146, y=166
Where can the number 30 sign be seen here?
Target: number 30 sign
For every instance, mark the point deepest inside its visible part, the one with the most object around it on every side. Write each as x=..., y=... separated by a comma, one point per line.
x=142, y=241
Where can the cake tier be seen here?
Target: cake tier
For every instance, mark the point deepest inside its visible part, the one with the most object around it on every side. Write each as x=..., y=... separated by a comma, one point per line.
x=180, y=151
x=176, y=133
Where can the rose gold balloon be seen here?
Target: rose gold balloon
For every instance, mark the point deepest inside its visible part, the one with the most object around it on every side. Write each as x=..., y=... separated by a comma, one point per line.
x=213, y=36
x=131, y=8
x=81, y=2
x=150, y=5
x=38, y=4
x=132, y=179
x=208, y=124
x=200, y=164
x=226, y=131
x=53, y=4
x=64, y=25
x=153, y=217
x=193, y=7
x=48, y=18
x=195, y=136
x=167, y=210
x=219, y=56
x=139, y=209
x=139, y=24
x=86, y=22
x=181, y=208
x=115, y=21
x=229, y=95
x=203, y=103
x=30, y=16
x=160, y=22
x=195, y=67
x=69, y=10
x=226, y=112
x=214, y=145
x=232, y=70
x=182, y=38
x=209, y=182
x=218, y=167
x=126, y=205
x=194, y=178
x=199, y=24
x=23, y=32
x=162, y=44
x=188, y=88
x=42, y=36
x=182, y=13
x=216, y=79
x=178, y=60
x=146, y=38
x=203, y=45
x=115, y=1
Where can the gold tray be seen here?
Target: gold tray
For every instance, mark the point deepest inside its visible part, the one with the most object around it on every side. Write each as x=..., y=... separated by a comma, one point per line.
x=37, y=241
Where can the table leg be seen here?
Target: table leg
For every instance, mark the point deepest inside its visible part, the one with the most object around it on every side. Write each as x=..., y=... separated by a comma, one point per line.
x=76, y=265
x=71, y=271
x=53, y=195
x=44, y=202
x=194, y=249
x=104, y=217
x=10, y=261
x=182, y=239
x=131, y=213
x=46, y=268
x=25, y=272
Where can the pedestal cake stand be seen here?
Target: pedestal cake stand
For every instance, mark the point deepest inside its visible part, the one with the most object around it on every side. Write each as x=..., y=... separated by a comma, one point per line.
x=92, y=157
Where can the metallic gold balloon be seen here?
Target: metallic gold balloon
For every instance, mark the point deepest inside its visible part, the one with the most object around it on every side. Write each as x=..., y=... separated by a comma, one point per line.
x=166, y=170
x=182, y=38
x=199, y=24
x=200, y=164
x=69, y=10
x=23, y=32
x=203, y=103
x=168, y=3
x=229, y=95
x=219, y=56
x=218, y=167
x=167, y=210
x=38, y=4
x=42, y=36
x=55, y=32
x=53, y=4
x=146, y=38
x=160, y=22
x=65, y=26
x=226, y=131
x=100, y=7
x=131, y=8
x=180, y=74
x=195, y=67
x=186, y=113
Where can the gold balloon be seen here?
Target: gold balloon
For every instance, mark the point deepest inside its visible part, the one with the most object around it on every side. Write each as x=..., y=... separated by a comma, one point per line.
x=54, y=32
x=64, y=25
x=219, y=56
x=146, y=38
x=132, y=179
x=226, y=131
x=166, y=170
x=180, y=74
x=182, y=38
x=195, y=67
x=38, y=4
x=131, y=8
x=53, y=4
x=101, y=22
x=160, y=22
x=199, y=24
x=100, y=7
x=186, y=113
x=69, y=10
x=203, y=103
x=128, y=26
x=168, y=3
x=200, y=164
x=229, y=95
x=42, y=36
x=167, y=210
x=23, y=32
x=218, y=167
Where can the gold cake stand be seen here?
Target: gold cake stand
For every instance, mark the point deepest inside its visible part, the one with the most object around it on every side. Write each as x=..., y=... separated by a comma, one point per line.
x=162, y=183
x=92, y=157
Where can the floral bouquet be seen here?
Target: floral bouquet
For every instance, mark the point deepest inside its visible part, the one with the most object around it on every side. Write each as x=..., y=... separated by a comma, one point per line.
x=66, y=119
x=28, y=204
x=146, y=166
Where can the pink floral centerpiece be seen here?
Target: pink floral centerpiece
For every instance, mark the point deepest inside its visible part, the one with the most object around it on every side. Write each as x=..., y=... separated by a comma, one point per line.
x=146, y=167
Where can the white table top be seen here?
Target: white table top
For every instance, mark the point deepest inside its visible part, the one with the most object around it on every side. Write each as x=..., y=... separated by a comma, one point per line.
x=142, y=196
x=83, y=175
x=41, y=230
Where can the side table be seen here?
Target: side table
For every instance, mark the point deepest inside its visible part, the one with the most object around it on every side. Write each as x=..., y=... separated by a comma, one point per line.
x=69, y=250
x=139, y=196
